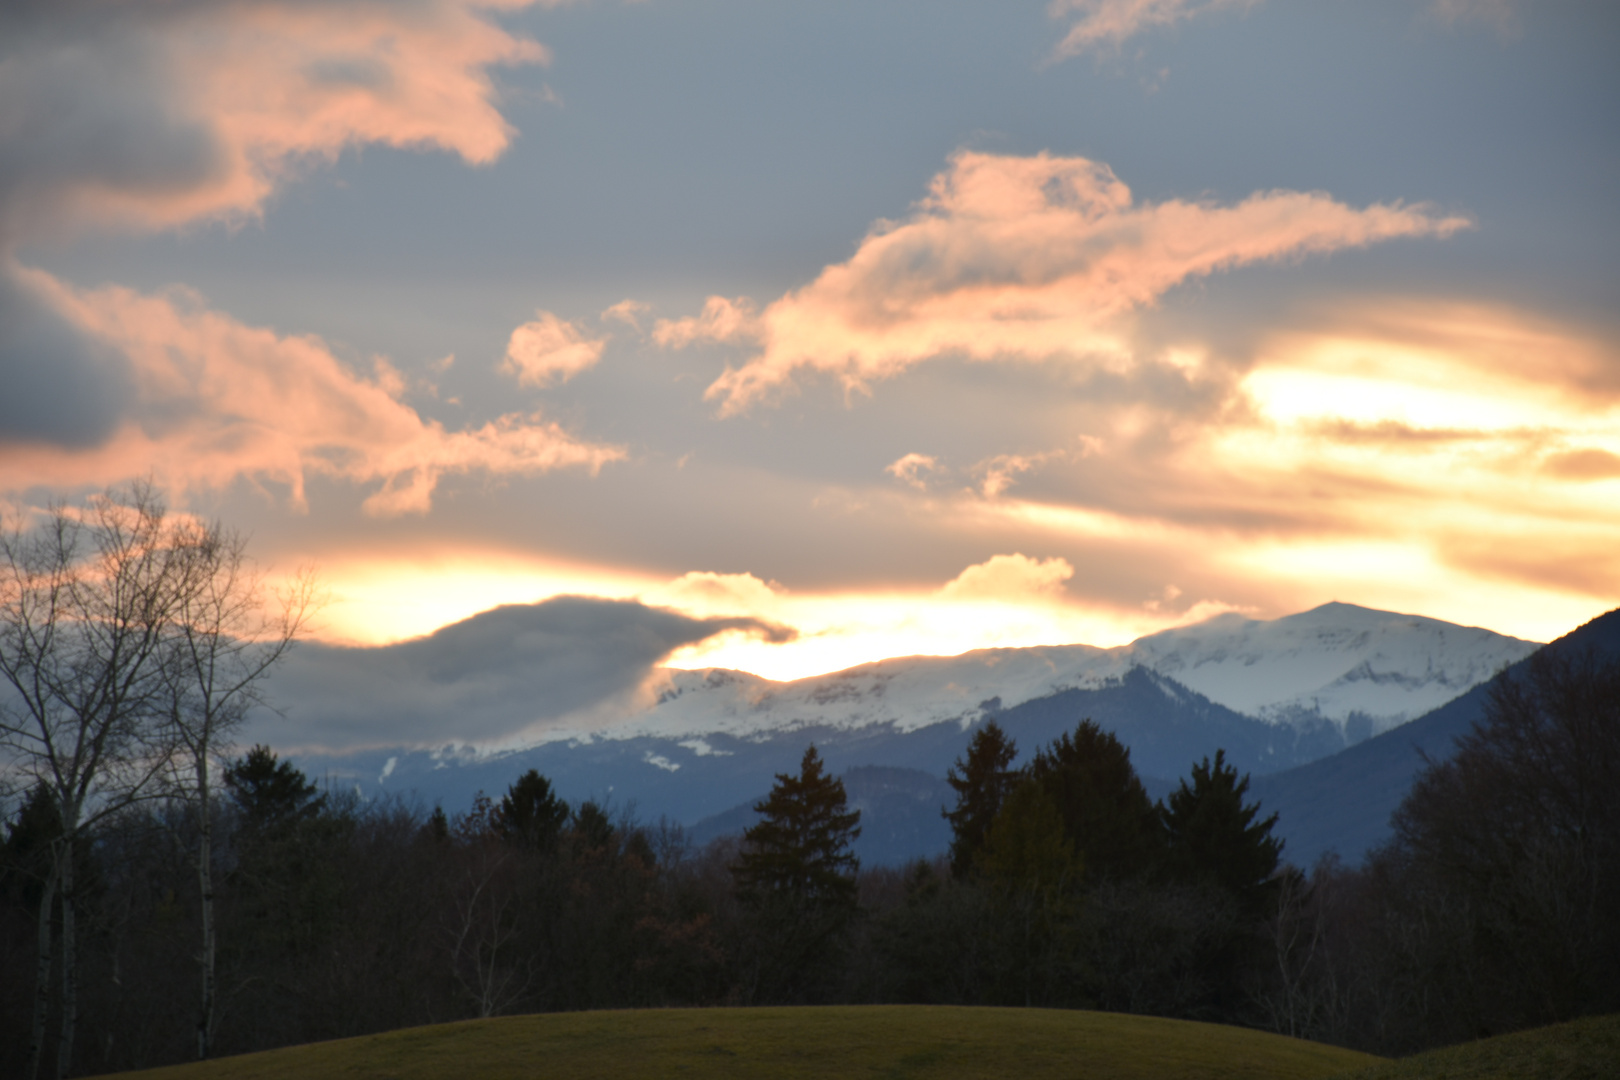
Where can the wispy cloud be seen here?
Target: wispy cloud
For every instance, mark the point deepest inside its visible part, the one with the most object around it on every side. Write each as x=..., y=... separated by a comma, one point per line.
x=1502, y=16
x=1106, y=24
x=721, y=320
x=627, y=311
x=1019, y=258
x=1001, y=472
x=913, y=470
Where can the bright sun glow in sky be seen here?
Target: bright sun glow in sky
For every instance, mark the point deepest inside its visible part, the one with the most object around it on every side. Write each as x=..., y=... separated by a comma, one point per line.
x=1033, y=324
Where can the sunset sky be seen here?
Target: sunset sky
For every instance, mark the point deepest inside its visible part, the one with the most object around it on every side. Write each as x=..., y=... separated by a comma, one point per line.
x=846, y=330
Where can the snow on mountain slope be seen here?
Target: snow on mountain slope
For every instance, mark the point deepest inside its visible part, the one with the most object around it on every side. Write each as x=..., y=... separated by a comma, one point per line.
x=911, y=692
x=1365, y=671
x=1357, y=667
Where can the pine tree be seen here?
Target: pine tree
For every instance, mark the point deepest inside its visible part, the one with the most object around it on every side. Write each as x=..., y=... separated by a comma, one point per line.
x=1214, y=844
x=1106, y=812
x=1026, y=848
x=1212, y=836
x=800, y=847
x=288, y=845
x=796, y=880
x=273, y=796
x=530, y=815
x=982, y=782
x=1033, y=875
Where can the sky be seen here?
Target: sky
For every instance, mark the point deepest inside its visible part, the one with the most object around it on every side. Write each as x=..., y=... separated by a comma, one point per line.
x=786, y=337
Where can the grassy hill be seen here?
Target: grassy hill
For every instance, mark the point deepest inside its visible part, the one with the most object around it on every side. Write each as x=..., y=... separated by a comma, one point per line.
x=1586, y=1049
x=839, y=1041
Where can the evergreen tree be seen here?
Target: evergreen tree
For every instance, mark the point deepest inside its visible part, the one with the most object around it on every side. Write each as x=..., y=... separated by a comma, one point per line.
x=1212, y=836
x=1105, y=810
x=530, y=814
x=272, y=796
x=800, y=847
x=1026, y=849
x=593, y=830
x=796, y=880
x=437, y=828
x=1214, y=845
x=982, y=782
x=25, y=857
x=1033, y=875
x=289, y=845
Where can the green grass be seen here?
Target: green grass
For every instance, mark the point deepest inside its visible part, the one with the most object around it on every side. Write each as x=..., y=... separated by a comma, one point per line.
x=1580, y=1050
x=834, y=1042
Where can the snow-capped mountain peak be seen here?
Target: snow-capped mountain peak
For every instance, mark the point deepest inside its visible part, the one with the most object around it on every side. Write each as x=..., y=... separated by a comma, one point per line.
x=1362, y=670
x=1347, y=664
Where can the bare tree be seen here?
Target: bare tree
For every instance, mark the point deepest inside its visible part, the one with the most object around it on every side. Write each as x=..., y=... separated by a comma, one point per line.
x=483, y=923
x=223, y=641
x=86, y=599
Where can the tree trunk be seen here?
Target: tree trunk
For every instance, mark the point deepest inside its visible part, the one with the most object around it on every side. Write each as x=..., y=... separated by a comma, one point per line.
x=42, y=974
x=205, y=879
x=70, y=978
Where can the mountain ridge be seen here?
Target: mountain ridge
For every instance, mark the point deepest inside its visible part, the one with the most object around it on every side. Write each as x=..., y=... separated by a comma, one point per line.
x=709, y=740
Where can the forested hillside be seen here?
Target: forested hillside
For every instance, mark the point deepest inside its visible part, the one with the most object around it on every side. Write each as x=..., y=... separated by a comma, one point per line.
x=1065, y=886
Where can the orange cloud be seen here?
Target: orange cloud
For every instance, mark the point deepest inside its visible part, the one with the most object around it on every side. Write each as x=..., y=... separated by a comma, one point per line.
x=721, y=320
x=627, y=311
x=1002, y=471
x=150, y=113
x=1583, y=465
x=1476, y=443
x=550, y=349
x=911, y=470
x=1019, y=257
x=1106, y=24
x=214, y=400
x=1009, y=579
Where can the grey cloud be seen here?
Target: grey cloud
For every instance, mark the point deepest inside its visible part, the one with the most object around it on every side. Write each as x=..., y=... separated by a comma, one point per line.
x=60, y=386
x=90, y=111
x=84, y=109
x=480, y=680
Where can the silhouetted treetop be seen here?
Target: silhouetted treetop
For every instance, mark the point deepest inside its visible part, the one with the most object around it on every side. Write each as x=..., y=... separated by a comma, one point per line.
x=982, y=781
x=530, y=814
x=1211, y=835
x=801, y=844
x=1105, y=810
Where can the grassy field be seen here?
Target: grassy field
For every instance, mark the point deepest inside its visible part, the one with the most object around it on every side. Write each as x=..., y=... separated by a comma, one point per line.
x=1581, y=1050
x=798, y=1044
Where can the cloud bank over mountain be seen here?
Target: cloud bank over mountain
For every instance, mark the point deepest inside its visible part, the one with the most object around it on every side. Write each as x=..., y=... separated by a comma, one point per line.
x=503, y=677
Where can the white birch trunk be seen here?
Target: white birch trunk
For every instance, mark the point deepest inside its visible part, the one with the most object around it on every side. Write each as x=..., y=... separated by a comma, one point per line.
x=42, y=974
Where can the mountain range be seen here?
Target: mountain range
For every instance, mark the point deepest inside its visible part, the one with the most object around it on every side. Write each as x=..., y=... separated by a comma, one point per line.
x=1279, y=696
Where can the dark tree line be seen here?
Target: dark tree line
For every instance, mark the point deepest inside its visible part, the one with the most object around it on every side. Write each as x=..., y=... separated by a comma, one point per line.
x=1494, y=906
x=1065, y=886
x=1068, y=887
